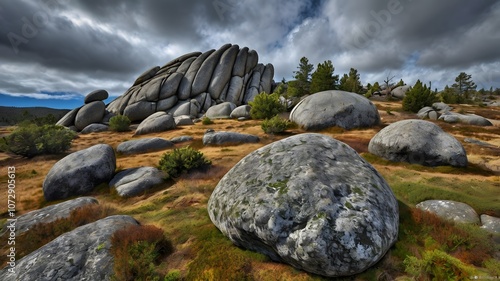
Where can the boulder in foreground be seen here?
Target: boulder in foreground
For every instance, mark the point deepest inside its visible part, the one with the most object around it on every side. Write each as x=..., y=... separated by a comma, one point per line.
x=310, y=201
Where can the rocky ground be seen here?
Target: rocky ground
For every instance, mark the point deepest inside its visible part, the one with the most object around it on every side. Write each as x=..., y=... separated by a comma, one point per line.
x=180, y=207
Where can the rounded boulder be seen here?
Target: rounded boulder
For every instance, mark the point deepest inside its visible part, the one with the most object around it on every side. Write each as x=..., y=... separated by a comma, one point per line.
x=310, y=201
x=335, y=108
x=419, y=142
x=90, y=113
x=80, y=172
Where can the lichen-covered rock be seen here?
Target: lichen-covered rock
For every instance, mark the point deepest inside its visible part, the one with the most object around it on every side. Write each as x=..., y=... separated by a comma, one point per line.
x=335, y=108
x=79, y=172
x=310, y=201
x=420, y=142
x=219, y=138
x=50, y=213
x=90, y=113
x=450, y=210
x=157, y=122
x=491, y=224
x=132, y=182
x=81, y=254
x=143, y=145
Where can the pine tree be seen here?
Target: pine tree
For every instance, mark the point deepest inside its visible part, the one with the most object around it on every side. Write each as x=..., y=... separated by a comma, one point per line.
x=418, y=97
x=323, y=78
x=351, y=82
x=301, y=86
x=464, y=85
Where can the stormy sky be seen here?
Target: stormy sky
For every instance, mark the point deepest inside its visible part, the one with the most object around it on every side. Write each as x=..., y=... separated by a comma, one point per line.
x=56, y=51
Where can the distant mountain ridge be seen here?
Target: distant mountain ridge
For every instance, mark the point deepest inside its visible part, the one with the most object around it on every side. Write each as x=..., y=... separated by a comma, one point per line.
x=10, y=115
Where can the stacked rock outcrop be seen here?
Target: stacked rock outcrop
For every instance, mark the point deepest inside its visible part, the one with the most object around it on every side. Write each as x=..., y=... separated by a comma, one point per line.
x=191, y=83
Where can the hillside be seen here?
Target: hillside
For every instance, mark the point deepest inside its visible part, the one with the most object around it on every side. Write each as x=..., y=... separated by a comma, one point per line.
x=179, y=207
x=12, y=115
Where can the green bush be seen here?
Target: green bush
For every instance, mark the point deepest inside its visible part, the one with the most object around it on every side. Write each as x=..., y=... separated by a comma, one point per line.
x=266, y=106
x=182, y=159
x=274, y=125
x=438, y=265
x=418, y=97
x=30, y=140
x=136, y=250
x=119, y=123
x=207, y=121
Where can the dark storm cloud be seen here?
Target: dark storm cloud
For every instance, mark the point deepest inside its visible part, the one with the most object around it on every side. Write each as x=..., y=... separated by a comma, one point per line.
x=81, y=45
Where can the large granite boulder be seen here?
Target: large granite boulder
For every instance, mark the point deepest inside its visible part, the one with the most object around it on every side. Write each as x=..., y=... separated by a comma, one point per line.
x=80, y=172
x=68, y=120
x=97, y=95
x=218, y=138
x=157, y=122
x=310, y=201
x=242, y=111
x=81, y=254
x=450, y=210
x=50, y=213
x=143, y=145
x=400, y=92
x=132, y=182
x=90, y=113
x=420, y=142
x=335, y=108
x=222, y=110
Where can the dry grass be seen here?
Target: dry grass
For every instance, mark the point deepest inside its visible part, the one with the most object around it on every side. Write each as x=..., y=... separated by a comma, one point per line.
x=179, y=207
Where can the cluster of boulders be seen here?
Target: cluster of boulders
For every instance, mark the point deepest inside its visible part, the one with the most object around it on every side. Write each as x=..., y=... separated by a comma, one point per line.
x=189, y=85
x=420, y=142
x=81, y=172
x=442, y=111
x=310, y=201
x=459, y=212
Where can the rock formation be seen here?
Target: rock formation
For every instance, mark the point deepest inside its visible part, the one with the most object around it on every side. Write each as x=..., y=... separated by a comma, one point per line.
x=420, y=142
x=335, y=108
x=188, y=85
x=450, y=210
x=80, y=172
x=81, y=254
x=310, y=201
x=135, y=181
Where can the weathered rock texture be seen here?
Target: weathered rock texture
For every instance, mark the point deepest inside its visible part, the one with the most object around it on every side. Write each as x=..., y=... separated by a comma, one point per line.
x=335, y=108
x=310, y=201
x=81, y=254
x=50, y=213
x=218, y=138
x=450, y=210
x=79, y=172
x=143, y=145
x=132, y=182
x=420, y=142
x=229, y=74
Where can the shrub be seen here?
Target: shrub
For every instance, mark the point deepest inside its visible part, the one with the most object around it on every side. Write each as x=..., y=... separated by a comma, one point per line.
x=207, y=121
x=30, y=140
x=136, y=249
x=418, y=97
x=119, y=123
x=182, y=159
x=274, y=125
x=266, y=106
x=437, y=265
